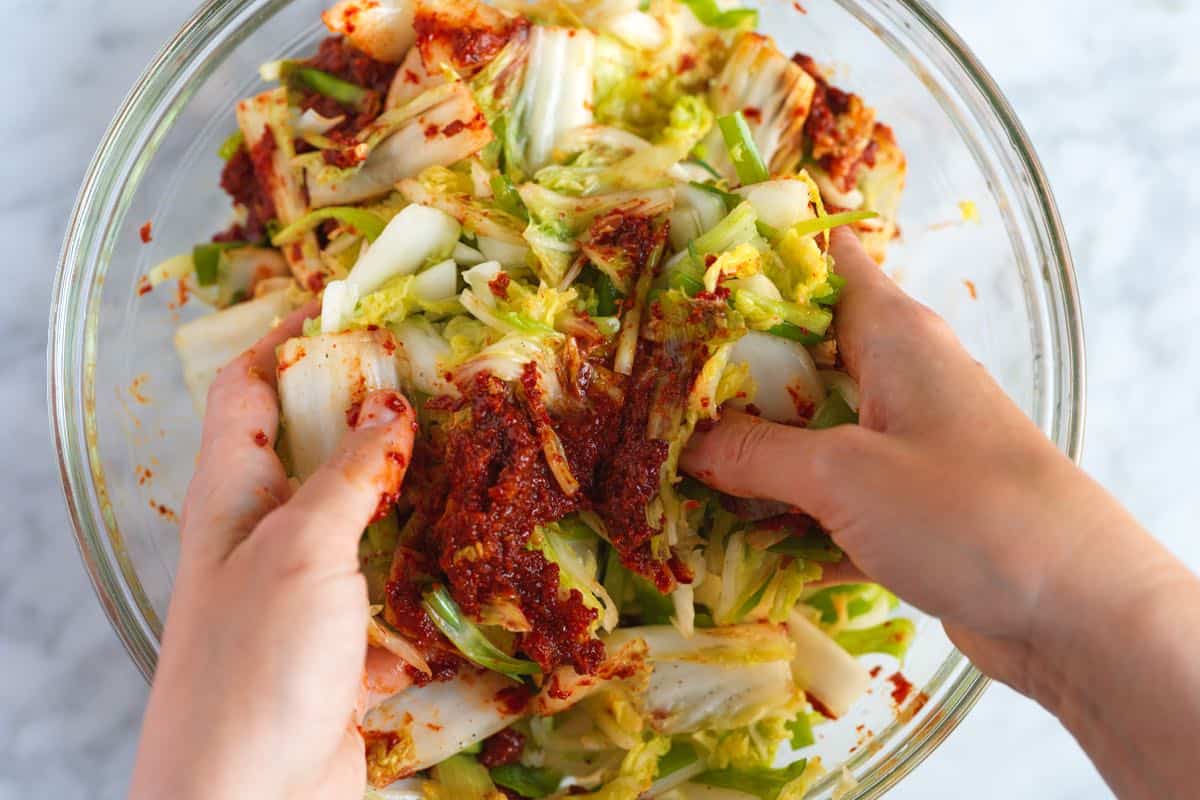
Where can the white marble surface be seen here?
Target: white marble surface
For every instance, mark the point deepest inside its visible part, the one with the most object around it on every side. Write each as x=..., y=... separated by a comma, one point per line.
x=1112, y=101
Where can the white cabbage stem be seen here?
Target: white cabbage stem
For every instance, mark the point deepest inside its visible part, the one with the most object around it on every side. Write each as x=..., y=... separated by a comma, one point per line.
x=780, y=203
x=758, y=76
x=415, y=146
x=444, y=717
x=557, y=95
x=383, y=29
x=210, y=342
x=413, y=236
x=320, y=379
x=420, y=357
x=822, y=668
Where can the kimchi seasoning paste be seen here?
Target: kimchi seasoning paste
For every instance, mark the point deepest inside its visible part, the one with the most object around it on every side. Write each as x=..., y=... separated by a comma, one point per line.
x=839, y=127
x=341, y=59
x=502, y=748
x=501, y=490
x=240, y=182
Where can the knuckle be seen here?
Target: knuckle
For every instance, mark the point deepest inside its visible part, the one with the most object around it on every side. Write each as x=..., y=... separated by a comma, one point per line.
x=746, y=449
x=929, y=324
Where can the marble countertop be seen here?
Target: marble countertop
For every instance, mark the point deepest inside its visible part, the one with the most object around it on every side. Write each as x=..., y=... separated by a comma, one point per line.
x=1112, y=102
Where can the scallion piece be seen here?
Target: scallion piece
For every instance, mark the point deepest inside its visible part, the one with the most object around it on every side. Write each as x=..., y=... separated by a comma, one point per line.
x=801, y=730
x=892, y=638
x=607, y=297
x=730, y=199
x=346, y=93
x=830, y=221
x=467, y=637
x=743, y=152
x=710, y=14
x=206, y=259
x=367, y=223
x=810, y=548
x=766, y=231
x=233, y=142
x=707, y=167
x=788, y=330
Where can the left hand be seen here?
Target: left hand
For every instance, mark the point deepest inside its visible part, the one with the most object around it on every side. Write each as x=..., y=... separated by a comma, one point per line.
x=262, y=656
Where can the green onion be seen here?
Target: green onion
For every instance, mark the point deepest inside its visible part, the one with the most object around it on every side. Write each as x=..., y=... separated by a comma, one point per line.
x=862, y=597
x=607, y=297
x=367, y=223
x=766, y=231
x=233, y=142
x=833, y=412
x=710, y=14
x=686, y=283
x=801, y=730
x=747, y=162
x=829, y=221
x=810, y=548
x=787, y=330
x=507, y=198
x=752, y=601
x=206, y=257
x=470, y=641
x=730, y=199
x=892, y=637
x=707, y=167
x=527, y=781
x=806, y=320
x=346, y=93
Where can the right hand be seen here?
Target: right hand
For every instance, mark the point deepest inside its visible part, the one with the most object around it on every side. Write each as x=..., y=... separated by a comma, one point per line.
x=946, y=493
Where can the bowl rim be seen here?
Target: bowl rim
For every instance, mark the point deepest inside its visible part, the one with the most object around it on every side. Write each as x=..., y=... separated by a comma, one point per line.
x=68, y=384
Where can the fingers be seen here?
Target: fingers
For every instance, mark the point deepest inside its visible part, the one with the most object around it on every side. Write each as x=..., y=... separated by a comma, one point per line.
x=385, y=675
x=750, y=457
x=239, y=478
x=870, y=300
x=320, y=526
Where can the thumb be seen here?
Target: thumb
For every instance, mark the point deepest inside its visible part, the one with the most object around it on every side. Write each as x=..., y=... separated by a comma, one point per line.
x=325, y=517
x=747, y=456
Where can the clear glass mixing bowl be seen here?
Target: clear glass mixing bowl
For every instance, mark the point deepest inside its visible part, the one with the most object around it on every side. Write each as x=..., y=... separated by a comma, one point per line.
x=127, y=434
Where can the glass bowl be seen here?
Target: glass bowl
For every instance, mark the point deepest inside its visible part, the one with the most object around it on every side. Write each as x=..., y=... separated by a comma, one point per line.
x=126, y=430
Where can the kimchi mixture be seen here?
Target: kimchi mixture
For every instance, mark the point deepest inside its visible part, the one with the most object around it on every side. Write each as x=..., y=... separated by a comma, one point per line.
x=572, y=233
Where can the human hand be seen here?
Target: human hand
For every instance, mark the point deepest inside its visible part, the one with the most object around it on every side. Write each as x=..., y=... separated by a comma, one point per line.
x=946, y=493
x=263, y=652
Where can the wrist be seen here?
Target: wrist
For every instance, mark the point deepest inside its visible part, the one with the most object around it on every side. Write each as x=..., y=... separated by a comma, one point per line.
x=1092, y=597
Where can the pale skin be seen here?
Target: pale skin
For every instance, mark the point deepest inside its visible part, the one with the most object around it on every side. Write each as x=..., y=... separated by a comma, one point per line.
x=946, y=493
